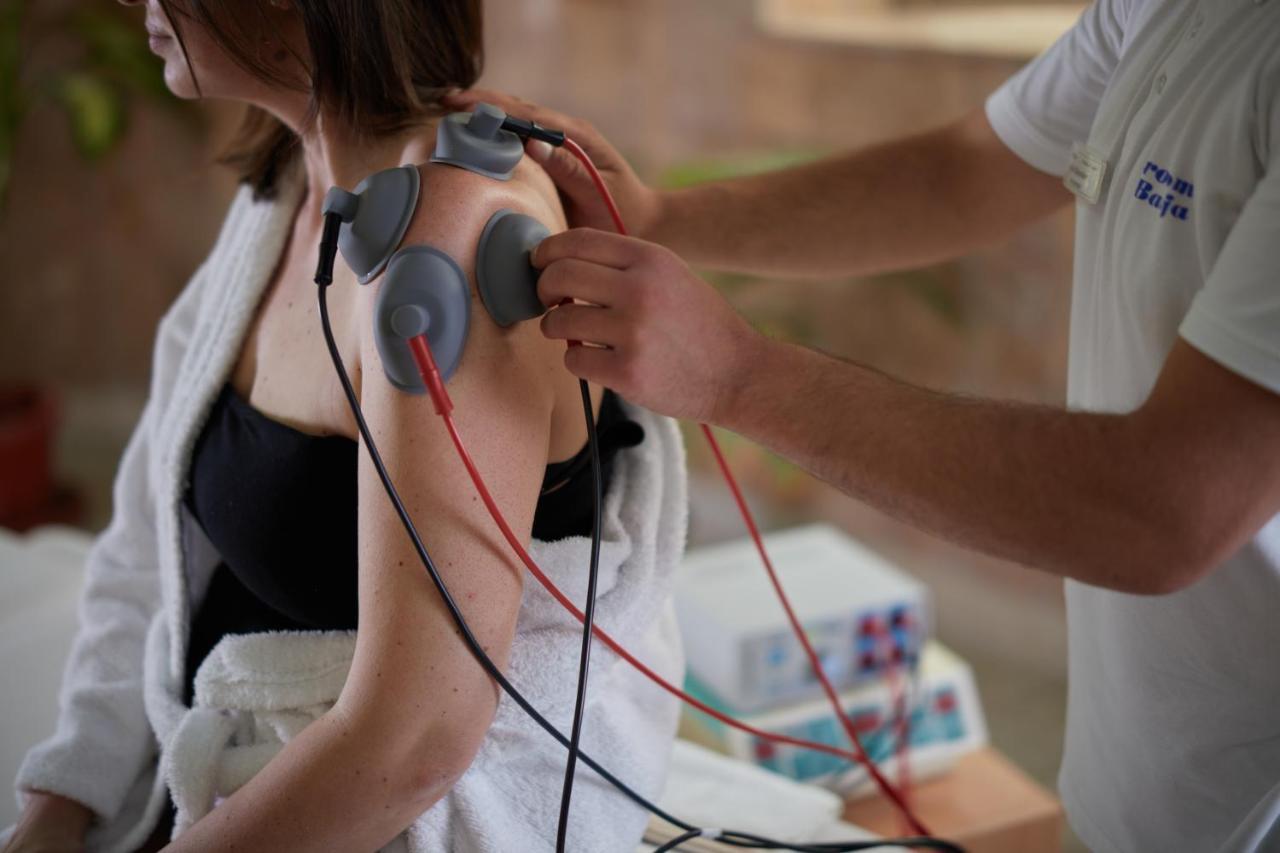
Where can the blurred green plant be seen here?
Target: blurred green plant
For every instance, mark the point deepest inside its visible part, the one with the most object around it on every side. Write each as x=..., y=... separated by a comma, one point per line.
x=108, y=64
x=700, y=171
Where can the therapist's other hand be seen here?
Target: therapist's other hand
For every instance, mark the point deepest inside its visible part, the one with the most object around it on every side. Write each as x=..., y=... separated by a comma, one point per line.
x=50, y=824
x=653, y=330
x=640, y=206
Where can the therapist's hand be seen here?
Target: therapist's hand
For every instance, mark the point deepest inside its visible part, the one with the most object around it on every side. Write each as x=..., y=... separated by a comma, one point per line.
x=50, y=824
x=641, y=206
x=654, y=331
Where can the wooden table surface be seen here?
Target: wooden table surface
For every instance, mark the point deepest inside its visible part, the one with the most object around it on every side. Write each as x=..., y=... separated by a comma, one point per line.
x=985, y=804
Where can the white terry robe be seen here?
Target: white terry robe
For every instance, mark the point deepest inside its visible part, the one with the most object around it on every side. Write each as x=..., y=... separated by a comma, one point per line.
x=124, y=734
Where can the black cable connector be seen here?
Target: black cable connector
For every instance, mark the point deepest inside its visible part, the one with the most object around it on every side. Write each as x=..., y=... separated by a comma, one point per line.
x=532, y=130
x=328, y=248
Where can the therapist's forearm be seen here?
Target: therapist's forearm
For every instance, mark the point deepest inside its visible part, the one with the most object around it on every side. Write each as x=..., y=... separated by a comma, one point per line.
x=1087, y=496
x=898, y=205
x=332, y=787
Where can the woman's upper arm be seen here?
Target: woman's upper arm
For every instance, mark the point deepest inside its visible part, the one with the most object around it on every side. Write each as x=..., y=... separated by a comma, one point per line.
x=412, y=673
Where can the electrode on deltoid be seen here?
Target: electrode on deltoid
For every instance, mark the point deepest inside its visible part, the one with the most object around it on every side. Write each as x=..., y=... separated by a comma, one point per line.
x=478, y=142
x=409, y=321
x=507, y=281
x=424, y=291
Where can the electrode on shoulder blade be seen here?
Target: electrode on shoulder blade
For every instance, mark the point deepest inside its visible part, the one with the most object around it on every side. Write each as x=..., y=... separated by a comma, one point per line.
x=508, y=283
x=476, y=142
x=424, y=290
x=375, y=218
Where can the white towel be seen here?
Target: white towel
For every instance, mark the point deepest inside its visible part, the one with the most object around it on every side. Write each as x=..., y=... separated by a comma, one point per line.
x=255, y=692
x=710, y=790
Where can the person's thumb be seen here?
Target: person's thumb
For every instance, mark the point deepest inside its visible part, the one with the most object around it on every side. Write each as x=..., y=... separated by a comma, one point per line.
x=540, y=151
x=565, y=171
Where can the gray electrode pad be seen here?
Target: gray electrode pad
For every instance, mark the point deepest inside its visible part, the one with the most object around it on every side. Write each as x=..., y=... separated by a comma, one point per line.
x=375, y=218
x=424, y=290
x=476, y=142
x=508, y=282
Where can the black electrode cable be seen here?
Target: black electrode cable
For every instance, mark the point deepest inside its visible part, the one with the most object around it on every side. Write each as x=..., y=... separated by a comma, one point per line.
x=527, y=130
x=754, y=842
x=473, y=645
x=588, y=614
x=324, y=277
x=759, y=842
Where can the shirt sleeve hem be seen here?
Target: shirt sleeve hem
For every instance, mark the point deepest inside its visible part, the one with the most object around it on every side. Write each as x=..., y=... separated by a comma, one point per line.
x=1216, y=339
x=1022, y=137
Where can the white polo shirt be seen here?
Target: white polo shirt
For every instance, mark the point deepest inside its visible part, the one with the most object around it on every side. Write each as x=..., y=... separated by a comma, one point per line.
x=1173, y=731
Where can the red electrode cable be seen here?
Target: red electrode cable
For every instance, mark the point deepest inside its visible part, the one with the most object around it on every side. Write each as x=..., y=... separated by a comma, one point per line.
x=601, y=188
x=427, y=369
x=899, y=708
x=425, y=362
x=845, y=720
x=851, y=730
x=430, y=374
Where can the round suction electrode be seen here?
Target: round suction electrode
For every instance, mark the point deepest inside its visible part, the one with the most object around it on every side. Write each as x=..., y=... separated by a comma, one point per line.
x=383, y=207
x=424, y=290
x=508, y=283
x=476, y=142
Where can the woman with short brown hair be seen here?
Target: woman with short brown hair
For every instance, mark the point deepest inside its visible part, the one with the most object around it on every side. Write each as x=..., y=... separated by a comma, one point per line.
x=262, y=662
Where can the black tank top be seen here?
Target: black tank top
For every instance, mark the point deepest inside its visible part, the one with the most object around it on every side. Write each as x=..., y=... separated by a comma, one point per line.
x=279, y=506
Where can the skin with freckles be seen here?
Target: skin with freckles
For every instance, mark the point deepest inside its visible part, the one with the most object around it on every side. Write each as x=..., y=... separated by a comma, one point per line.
x=416, y=706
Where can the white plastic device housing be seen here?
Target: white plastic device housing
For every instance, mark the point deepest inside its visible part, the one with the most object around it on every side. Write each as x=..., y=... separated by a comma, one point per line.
x=947, y=723
x=739, y=644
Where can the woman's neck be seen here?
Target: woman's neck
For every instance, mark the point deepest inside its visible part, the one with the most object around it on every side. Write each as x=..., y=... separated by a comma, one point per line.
x=334, y=156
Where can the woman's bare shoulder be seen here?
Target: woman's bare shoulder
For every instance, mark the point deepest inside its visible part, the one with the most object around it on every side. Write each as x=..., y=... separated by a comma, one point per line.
x=455, y=205
x=453, y=208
